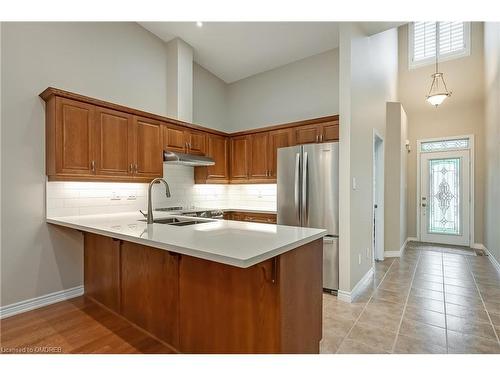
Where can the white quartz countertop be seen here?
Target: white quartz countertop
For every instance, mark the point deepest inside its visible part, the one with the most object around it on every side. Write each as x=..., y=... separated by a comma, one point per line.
x=236, y=243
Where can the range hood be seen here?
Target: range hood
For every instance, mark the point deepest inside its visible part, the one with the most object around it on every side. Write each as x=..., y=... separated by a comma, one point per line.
x=170, y=157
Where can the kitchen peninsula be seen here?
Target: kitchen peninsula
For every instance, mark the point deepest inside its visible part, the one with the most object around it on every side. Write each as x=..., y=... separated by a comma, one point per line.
x=218, y=286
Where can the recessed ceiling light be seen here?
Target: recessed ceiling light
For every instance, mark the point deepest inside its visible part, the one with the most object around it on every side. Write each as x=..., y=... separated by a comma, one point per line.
x=199, y=23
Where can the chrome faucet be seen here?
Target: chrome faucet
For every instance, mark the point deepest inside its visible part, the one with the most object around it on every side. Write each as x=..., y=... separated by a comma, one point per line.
x=149, y=215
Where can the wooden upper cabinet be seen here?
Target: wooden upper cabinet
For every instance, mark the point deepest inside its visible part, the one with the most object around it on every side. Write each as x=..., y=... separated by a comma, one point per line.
x=148, y=148
x=196, y=142
x=330, y=131
x=218, y=150
x=73, y=146
x=259, y=156
x=174, y=138
x=239, y=156
x=179, y=139
x=277, y=139
x=307, y=134
x=114, y=143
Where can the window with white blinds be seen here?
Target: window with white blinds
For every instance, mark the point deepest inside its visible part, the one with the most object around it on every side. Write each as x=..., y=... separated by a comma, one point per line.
x=451, y=41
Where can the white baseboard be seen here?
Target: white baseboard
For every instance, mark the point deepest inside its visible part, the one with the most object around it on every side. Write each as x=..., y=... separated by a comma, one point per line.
x=37, y=302
x=492, y=259
x=344, y=296
x=394, y=254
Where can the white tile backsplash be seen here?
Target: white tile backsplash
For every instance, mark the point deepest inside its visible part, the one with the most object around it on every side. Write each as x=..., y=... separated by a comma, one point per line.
x=87, y=198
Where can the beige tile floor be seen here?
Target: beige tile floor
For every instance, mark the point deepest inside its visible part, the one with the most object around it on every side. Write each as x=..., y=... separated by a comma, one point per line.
x=434, y=299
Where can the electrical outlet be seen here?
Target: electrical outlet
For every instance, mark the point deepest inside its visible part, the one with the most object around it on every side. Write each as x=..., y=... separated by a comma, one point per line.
x=359, y=258
x=132, y=197
x=115, y=196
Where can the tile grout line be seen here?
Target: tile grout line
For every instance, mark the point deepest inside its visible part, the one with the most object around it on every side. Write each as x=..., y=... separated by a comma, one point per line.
x=482, y=301
x=406, y=302
x=444, y=303
x=364, y=307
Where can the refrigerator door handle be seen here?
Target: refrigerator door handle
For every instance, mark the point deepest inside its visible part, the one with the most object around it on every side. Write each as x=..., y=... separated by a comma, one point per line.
x=305, y=213
x=297, y=186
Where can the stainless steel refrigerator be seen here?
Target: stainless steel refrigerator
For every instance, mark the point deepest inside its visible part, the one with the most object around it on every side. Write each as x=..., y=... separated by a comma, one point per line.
x=308, y=196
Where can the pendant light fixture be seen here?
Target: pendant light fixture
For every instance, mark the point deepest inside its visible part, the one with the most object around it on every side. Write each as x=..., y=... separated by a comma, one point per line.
x=438, y=91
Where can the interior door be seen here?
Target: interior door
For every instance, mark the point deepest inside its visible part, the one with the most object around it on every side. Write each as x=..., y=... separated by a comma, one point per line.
x=445, y=197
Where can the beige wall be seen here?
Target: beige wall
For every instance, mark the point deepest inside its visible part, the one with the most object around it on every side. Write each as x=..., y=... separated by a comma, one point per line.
x=461, y=114
x=492, y=138
x=118, y=62
x=300, y=90
x=395, y=177
x=369, y=79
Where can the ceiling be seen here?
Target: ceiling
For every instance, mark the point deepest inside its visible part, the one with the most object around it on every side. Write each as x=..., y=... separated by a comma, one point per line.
x=236, y=50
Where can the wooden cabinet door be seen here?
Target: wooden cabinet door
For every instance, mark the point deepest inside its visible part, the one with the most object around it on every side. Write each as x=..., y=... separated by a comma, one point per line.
x=277, y=139
x=239, y=157
x=113, y=143
x=150, y=290
x=196, y=142
x=74, y=137
x=148, y=151
x=101, y=277
x=307, y=134
x=259, y=149
x=330, y=132
x=217, y=149
x=174, y=138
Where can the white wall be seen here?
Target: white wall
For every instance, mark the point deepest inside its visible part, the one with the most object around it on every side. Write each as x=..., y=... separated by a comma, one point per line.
x=492, y=138
x=461, y=114
x=118, y=62
x=369, y=78
x=395, y=177
x=300, y=90
x=209, y=99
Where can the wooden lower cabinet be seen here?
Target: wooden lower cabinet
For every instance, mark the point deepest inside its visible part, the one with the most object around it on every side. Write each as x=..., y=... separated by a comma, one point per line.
x=101, y=270
x=150, y=290
x=255, y=217
x=199, y=306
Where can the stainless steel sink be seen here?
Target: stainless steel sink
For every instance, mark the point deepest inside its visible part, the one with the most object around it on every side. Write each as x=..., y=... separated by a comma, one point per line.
x=179, y=222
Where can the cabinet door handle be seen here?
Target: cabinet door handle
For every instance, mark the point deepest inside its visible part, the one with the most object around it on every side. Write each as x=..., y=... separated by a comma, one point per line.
x=321, y=138
x=131, y=168
x=136, y=168
x=92, y=166
x=317, y=138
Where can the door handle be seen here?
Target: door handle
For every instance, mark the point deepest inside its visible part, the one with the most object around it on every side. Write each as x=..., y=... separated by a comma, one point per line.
x=92, y=166
x=297, y=187
x=305, y=212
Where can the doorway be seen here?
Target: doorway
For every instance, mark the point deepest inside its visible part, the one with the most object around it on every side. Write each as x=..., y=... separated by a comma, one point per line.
x=378, y=197
x=444, y=190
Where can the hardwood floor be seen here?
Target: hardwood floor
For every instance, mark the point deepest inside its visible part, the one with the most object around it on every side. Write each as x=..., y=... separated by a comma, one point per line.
x=78, y=325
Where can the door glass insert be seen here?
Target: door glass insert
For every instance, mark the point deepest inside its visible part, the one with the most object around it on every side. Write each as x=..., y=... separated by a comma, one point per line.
x=443, y=145
x=444, y=196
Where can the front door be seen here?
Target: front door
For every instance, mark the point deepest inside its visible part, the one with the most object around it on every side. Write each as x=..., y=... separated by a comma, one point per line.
x=444, y=197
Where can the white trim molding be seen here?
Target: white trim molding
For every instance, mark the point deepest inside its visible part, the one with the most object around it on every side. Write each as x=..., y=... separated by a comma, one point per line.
x=394, y=254
x=492, y=259
x=345, y=296
x=37, y=302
